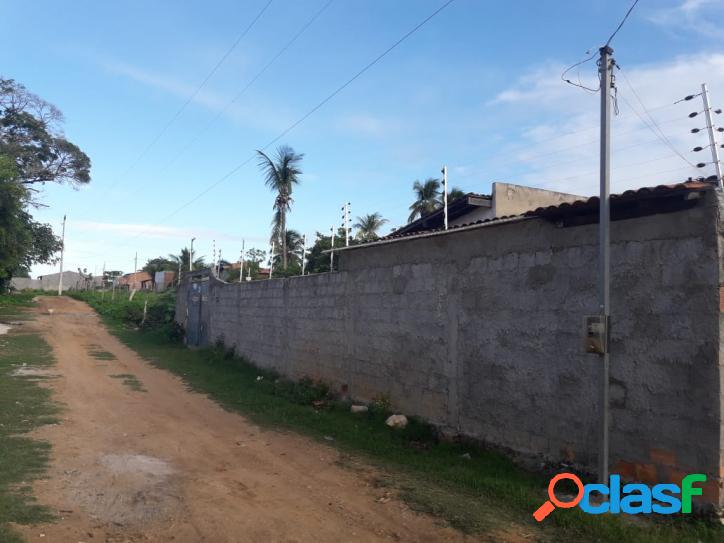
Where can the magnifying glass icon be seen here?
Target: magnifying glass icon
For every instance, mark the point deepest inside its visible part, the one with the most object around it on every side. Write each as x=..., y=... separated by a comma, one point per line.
x=547, y=508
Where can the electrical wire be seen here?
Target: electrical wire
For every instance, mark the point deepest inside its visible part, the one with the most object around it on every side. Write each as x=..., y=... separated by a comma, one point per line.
x=308, y=114
x=579, y=84
x=653, y=126
x=193, y=95
x=253, y=80
x=622, y=22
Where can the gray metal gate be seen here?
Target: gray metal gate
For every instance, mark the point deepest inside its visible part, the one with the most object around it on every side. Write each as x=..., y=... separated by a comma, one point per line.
x=198, y=296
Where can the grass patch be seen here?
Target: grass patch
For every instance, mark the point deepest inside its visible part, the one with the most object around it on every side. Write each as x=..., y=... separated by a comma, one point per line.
x=473, y=489
x=24, y=406
x=95, y=351
x=15, y=306
x=131, y=381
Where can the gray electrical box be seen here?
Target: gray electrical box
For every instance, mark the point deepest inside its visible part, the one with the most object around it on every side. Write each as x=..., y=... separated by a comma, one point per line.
x=596, y=334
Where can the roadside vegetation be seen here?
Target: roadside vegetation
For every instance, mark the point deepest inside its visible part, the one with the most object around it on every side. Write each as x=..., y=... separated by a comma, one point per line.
x=475, y=490
x=24, y=406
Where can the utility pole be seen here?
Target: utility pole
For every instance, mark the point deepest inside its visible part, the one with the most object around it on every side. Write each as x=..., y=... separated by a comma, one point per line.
x=271, y=260
x=218, y=264
x=191, y=255
x=712, y=138
x=331, y=254
x=444, y=192
x=135, y=263
x=606, y=65
x=213, y=262
x=304, y=252
x=241, y=264
x=62, y=254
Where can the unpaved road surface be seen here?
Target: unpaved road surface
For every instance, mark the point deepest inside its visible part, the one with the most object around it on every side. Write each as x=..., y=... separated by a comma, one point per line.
x=171, y=465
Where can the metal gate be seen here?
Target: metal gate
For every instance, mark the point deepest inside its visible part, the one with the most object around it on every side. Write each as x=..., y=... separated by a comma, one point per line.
x=198, y=297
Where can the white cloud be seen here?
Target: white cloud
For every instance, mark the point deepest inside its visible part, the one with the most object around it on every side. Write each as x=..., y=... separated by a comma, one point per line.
x=231, y=107
x=562, y=154
x=691, y=15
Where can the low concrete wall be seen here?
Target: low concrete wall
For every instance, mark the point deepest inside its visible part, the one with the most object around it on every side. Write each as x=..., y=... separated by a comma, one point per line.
x=71, y=281
x=480, y=332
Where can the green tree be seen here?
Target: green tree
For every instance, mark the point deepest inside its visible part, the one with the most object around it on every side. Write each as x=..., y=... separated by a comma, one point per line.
x=317, y=259
x=32, y=150
x=183, y=257
x=252, y=262
x=426, y=198
x=453, y=194
x=281, y=174
x=293, y=247
x=368, y=225
x=160, y=263
x=23, y=241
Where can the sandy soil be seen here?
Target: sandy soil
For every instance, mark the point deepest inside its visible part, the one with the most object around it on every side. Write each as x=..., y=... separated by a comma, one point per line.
x=171, y=465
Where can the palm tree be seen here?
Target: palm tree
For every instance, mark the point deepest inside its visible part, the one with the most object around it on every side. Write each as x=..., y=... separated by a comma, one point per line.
x=183, y=260
x=427, y=198
x=293, y=247
x=281, y=175
x=368, y=225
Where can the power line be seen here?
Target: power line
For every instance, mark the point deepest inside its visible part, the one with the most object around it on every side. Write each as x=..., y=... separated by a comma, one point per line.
x=310, y=112
x=261, y=72
x=657, y=131
x=622, y=22
x=193, y=95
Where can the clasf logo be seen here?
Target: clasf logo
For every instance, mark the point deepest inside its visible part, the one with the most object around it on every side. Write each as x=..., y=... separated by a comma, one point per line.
x=632, y=498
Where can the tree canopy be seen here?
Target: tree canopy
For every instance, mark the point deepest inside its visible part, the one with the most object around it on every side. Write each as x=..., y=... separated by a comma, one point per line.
x=31, y=135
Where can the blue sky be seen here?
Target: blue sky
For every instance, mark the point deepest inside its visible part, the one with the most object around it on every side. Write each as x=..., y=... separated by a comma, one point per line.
x=478, y=88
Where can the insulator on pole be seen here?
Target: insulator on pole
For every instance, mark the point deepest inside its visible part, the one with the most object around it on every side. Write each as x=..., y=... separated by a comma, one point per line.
x=693, y=114
x=697, y=149
x=701, y=164
x=695, y=130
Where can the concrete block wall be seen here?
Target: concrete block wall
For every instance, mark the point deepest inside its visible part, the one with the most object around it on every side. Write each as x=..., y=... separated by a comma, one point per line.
x=480, y=331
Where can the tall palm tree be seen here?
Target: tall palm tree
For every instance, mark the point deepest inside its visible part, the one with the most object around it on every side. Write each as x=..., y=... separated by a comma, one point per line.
x=368, y=225
x=427, y=198
x=281, y=174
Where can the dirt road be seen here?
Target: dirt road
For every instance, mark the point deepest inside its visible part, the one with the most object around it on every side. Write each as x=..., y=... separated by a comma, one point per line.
x=171, y=465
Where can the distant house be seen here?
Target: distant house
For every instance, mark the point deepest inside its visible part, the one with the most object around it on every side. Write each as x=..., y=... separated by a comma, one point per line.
x=136, y=281
x=506, y=200
x=163, y=280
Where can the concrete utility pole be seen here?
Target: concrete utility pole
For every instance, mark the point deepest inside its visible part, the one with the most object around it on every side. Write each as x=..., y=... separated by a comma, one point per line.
x=271, y=260
x=62, y=254
x=135, y=262
x=304, y=252
x=218, y=264
x=331, y=253
x=213, y=262
x=241, y=262
x=444, y=192
x=191, y=255
x=712, y=139
x=606, y=65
